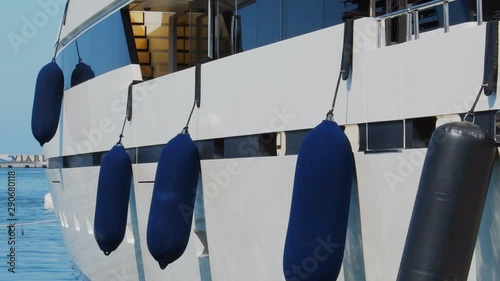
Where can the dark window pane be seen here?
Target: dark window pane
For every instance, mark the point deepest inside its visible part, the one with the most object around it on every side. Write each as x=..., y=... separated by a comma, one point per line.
x=249, y=26
x=334, y=10
x=104, y=48
x=261, y=23
x=301, y=17
x=268, y=22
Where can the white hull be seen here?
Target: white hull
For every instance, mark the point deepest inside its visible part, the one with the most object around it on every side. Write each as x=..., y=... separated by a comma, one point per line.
x=276, y=88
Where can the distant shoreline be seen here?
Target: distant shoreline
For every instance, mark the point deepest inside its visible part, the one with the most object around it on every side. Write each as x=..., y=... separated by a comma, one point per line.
x=27, y=166
x=10, y=161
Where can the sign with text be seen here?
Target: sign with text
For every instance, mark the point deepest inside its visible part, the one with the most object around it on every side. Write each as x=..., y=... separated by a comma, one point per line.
x=12, y=158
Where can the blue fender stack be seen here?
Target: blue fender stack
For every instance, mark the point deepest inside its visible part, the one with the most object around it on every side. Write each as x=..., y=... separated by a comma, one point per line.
x=317, y=227
x=449, y=204
x=47, y=102
x=172, y=206
x=113, y=192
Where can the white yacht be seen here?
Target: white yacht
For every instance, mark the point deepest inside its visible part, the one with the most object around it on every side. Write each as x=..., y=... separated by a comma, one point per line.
x=264, y=73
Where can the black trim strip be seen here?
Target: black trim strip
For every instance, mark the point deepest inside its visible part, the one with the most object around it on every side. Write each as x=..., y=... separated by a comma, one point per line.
x=385, y=135
x=129, y=98
x=347, y=48
x=491, y=58
x=197, y=87
x=261, y=145
x=377, y=137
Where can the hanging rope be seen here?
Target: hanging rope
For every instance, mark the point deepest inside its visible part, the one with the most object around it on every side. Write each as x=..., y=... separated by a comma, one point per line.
x=57, y=43
x=123, y=128
x=78, y=51
x=330, y=113
x=473, y=108
x=128, y=112
x=190, y=115
x=346, y=62
x=60, y=31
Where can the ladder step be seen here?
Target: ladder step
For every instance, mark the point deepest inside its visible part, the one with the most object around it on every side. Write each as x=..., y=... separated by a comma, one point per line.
x=139, y=30
x=142, y=44
x=144, y=57
x=137, y=17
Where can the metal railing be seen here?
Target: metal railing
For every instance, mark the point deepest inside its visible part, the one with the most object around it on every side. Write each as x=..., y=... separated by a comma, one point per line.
x=412, y=17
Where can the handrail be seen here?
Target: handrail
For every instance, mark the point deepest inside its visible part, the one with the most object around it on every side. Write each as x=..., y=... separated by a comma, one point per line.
x=415, y=8
x=412, y=14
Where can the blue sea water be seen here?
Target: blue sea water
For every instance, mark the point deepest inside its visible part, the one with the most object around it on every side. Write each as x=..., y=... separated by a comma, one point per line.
x=39, y=248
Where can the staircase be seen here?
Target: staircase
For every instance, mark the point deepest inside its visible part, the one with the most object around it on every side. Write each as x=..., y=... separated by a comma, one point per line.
x=151, y=35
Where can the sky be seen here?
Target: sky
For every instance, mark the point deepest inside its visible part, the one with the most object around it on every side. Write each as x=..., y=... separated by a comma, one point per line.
x=28, y=31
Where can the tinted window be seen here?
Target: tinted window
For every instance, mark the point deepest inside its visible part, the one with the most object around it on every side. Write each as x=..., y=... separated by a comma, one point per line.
x=104, y=48
x=268, y=21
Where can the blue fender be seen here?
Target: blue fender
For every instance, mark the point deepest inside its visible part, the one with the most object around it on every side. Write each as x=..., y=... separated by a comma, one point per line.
x=172, y=206
x=47, y=103
x=317, y=227
x=113, y=192
x=82, y=73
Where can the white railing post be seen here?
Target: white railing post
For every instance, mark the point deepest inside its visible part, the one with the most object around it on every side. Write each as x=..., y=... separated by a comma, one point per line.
x=479, y=11
x=413, y=12
x=416, y=24
x=446, y=9
x=373, y=8
x=408, y=27
x=379, y=30
x=210, y=30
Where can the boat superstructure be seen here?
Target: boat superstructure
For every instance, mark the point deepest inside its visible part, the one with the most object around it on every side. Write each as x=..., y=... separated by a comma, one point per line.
x=412, y=70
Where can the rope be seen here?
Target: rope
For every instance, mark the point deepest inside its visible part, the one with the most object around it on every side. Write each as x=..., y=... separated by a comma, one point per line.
x=57, y=43
x=473, y=108
x=190, y=115
x=336, y=93
x=128, y=111
x=78, y=51
x=60, y=31
x=123, y=128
